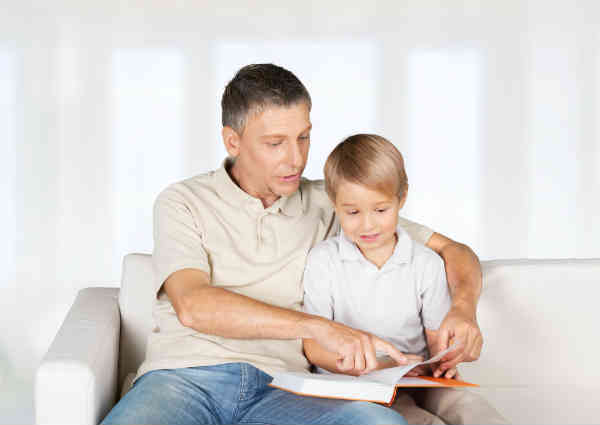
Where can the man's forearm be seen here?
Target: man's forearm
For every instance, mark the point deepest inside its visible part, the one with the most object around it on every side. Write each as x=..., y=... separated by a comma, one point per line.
x=217, y=311
x=463, y=272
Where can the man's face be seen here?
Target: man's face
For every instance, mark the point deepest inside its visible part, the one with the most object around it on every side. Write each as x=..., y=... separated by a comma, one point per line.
x=272, y=151
x=368, y=217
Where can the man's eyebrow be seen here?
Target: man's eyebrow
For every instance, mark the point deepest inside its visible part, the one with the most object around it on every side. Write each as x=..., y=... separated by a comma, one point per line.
x=273, y=136
x=283, y=136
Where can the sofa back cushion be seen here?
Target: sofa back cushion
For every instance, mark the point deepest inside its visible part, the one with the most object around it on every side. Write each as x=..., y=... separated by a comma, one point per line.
x=539, y=320
x=136, y=299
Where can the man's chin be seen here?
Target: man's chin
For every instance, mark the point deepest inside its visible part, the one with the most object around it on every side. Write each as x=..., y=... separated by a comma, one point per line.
x=287, y=189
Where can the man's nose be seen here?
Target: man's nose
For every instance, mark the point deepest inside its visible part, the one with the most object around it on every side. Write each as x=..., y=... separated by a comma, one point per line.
x=295, y=157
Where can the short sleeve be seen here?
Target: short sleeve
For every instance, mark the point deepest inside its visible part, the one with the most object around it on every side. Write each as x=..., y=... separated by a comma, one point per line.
x=416, y=231
x=435, y=295
x=318, y=298
x=177, y=237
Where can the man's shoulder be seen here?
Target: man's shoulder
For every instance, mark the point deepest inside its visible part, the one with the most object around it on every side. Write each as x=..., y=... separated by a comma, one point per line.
x=191, y=187
x=313, y=191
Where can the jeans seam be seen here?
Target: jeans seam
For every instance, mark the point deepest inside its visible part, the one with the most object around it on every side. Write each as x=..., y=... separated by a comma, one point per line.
x=242, y=389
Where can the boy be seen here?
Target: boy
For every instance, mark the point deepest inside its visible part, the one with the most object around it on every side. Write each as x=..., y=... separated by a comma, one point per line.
x=372, y=276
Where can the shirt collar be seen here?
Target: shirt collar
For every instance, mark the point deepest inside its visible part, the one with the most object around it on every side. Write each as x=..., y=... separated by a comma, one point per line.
x=401, y=255
x=230, y=191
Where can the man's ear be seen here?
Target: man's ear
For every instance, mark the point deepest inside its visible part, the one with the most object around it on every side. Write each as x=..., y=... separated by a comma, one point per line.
x=403, y=198
x=231, y=140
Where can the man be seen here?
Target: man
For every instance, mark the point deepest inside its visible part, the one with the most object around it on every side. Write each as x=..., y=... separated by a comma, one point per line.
x=230, y=248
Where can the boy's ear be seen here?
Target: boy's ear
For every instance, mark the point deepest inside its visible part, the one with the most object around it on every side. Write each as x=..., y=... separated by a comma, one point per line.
x=403, y=199
x=231, y=140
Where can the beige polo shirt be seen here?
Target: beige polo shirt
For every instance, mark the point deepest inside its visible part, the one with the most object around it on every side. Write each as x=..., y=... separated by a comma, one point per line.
x=208, y=223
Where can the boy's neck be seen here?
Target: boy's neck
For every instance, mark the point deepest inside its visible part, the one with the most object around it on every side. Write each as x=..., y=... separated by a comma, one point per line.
x=379, y=256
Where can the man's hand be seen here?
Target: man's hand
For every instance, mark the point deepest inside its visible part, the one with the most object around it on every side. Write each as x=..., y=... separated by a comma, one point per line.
x=461, y=326
x=463, y=273
x=355, y=349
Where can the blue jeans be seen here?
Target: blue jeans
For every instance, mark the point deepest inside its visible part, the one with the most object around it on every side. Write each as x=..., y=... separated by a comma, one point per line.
x=233, y=393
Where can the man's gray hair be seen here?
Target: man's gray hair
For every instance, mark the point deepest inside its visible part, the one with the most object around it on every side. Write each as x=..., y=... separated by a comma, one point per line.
x=256, y=87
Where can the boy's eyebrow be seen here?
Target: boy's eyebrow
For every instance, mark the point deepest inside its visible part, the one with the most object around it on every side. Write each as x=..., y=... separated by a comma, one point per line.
x=377, y=203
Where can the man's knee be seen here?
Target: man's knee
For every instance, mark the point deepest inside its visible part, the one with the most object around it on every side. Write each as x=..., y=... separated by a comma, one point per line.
x=159, y=397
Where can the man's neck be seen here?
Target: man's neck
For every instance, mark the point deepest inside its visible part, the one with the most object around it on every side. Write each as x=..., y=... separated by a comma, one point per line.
x=240, y=179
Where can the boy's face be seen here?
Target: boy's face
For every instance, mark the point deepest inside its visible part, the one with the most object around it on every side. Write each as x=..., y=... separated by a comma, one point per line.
x=368, y=218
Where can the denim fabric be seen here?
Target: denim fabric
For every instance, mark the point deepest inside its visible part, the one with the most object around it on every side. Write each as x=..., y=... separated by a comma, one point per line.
x=233, y=393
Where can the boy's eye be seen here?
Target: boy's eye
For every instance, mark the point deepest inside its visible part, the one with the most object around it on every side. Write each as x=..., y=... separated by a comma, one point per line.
x=304, y=137
x=381, y=210
x=352, y=212
x=274, y=144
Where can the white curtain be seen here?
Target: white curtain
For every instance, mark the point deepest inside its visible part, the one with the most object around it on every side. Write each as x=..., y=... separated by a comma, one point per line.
x=495, y=106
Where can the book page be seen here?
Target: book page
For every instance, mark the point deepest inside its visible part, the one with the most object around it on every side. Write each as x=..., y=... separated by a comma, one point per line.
x=393, y=374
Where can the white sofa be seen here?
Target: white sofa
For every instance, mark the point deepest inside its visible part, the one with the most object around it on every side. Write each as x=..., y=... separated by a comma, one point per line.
x=538, y=366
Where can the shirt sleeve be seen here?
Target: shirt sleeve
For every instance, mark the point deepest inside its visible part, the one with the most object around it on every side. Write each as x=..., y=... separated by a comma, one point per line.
x=178, y=237
x=318, y=298
x=435, y=295
x=416, y=231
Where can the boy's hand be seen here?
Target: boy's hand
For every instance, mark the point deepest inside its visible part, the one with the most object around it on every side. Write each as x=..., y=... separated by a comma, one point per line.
x=421, y=370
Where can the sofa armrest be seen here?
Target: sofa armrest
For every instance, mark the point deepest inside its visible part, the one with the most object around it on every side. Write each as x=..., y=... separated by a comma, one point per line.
x=76, y=382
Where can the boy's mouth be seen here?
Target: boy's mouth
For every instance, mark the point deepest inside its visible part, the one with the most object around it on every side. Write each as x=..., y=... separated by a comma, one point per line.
x=369, y=238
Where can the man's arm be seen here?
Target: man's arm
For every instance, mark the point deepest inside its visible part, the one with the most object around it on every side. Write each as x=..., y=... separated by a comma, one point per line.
x=332, y=362
x=217, y=311
x=463, y=273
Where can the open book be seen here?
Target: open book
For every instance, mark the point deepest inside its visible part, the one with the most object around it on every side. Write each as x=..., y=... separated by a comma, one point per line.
x=379, y=386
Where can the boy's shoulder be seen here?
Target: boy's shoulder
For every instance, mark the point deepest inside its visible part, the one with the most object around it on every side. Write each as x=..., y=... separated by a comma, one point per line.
x=325, y=250
x=425, y=259
x=422, y=256
x=422, y=251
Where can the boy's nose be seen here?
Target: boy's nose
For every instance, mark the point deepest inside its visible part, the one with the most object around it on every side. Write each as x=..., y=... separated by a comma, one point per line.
x=367, y=222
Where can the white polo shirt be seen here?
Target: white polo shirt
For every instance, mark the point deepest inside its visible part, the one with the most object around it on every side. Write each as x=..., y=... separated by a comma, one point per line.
x=396, y=303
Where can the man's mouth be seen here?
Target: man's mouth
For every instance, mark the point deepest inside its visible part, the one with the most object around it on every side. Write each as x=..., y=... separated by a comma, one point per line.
x=291, y=178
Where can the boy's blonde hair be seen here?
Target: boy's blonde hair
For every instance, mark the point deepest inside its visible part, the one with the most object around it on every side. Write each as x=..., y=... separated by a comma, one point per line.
x=368, y=160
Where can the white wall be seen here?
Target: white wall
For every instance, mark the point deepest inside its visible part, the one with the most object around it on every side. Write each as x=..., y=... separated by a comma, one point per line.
x=494, y=104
